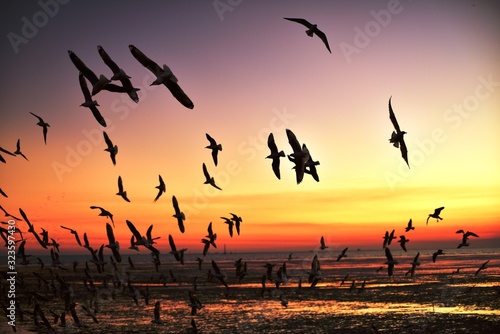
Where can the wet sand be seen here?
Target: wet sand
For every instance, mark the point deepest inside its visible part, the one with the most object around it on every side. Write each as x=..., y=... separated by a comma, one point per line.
x=434, y=301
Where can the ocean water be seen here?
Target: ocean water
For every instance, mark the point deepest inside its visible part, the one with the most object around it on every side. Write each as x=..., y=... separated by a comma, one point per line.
x=442, y=297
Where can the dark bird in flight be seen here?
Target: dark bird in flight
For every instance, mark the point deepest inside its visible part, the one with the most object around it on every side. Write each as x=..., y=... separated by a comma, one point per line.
x=310, y=168
x=465, y=237
x=483, y=266
x=179, y=215
x=410, y=226
x=397, y=137
x=299, y=156
x=18, y=150
x=161, y=188
x=218, y=274
x=104, y=213
x=435, y=254
x=214, y=147
x=436, y=214
x=44, y=126
x=414, y=265
x=390, y=261
x=230, y=225
x=275, y=155
x=315, y=274
x=113, y=244
x=119, y=74
x=322, y=246
x=343, y=254
x=178, y=254
x=237, y=222
x=402, y=240
x=89, y=103
x=312, y=29
x=140, y=240
x=75, y=233
x=163, y=76
x=388, y=238
x=121, y=192
x=112, y=149
x=209, y=179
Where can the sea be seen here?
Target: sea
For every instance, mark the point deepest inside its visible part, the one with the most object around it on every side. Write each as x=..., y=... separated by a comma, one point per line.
x=353, y=294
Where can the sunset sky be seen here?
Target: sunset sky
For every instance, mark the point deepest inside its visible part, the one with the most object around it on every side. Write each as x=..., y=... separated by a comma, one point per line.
x=249, y=72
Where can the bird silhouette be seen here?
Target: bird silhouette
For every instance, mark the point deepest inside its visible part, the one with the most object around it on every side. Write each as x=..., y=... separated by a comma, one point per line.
x=322, y=246
x=436, y=254
x=397, y=137
x=343, y=254
x=121, y=192
x=275, y=155
x=312, y=29
x=89, y=103
x=179, y=215
x=214, y=147
x=161, y=188
x=112, y=149
x=390, y=261
x=104, y=213
x=435, y=214
x=409, y=227
x=402, y=241
x=209, y=179
x=44, y=126
x=465, y=238
x=18, y=150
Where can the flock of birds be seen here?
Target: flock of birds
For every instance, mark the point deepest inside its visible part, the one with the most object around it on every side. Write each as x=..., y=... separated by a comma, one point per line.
x=303, y=163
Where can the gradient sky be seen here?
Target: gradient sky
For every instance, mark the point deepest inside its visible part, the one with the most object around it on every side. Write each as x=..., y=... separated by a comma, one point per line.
x=250, y=72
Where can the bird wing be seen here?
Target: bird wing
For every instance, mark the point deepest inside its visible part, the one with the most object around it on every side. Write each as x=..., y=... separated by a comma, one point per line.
x=144, y=60
x=107, y=60
x=84, y=87
x=111, y=236
x=438, y=210
x=211, y=140
x=271, y=143
x=80, y=65
x=108, y=141
x=134, y=231
x=39, y=118
x=216, y=268
x=294, y=143
x=172, y=243
x=299, y=20
x=97, y=115
x=404, y=151
x=176, y=205
x=322, y=36
x=25, y=217
x=388, y=255
x=205, y=172
x=393, y=117
x=120, y=184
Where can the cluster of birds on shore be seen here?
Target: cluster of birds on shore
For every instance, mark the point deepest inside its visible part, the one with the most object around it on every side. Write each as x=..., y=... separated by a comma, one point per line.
x=300, y=157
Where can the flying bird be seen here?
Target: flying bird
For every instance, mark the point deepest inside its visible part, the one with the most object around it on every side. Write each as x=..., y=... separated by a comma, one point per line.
x=75, y=233
x=119, y=74
x=397, y=137
x=315, y=274
x=388, y=238
x=322, y=243
x=312, y=29
x=414, y=265
x=465, y=237
x=121, y=192
x=483, y=266
x=435, y=254
x=390, y=261
x=209, y=179
x=402, y=240
x=44, y=126
x=343, y=254
x=178, y=254
x=410, y=226
x=275, y=155
x=18, y=150
x=89, y=103
x=214, y=147
x=161, y=188
x=299, y=156
x=218, y=274
x=113, y=244
x=436, y=214
x=112, y=149
x=104, y=213
x=179, y=215
x=163, y=76
x=230, y=225
x=237, y=222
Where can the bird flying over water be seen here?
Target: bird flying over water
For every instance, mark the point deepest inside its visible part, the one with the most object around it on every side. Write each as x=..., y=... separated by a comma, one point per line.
x=179, y=215
x=230, y=225
x=44, y=126
x=312, y=29
x=343, y=254
x=436, y=254
x=299, y=156
x=112, y=149
x=483, y=266
x=402, y=240
x=214, y=147
x=237, y=221
x=161, y=188
x=397, y=137
x=322, y=243
x=436, y=214
x=121, y=192
x=89, y=103
x=390, y=261
x=414, y=265
x=275, y=155
x=113, y=244
x=104, y=213
x=163, y=76
x=209, y=179
x=75, y=233
x=410, y=226
x=465, y=237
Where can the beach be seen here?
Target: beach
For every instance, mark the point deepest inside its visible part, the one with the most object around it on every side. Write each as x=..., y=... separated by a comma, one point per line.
x=438, y=299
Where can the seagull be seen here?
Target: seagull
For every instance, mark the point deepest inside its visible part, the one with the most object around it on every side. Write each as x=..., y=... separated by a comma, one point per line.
x=157, y=310
x=75, y=233
x=121, y=192
x=275, y=155
x=211, y=235
x=300, y=155
x=18, y=150
x=113, y=244
x=161, y=188
x=178, y=254
x=163, y=76
x=314, y=274
x=218, y=274
x=388, y=238
x=390, y=261
x=397, y=136
x=112, y=149
x=119, y=74
x=343, y=254
x=465, y=237
x=179, y=215
x=311, y=30
x=435, y=254
x=104, y=213
x=409, y=227
x=140, y=240
x=230, y=225
x=214, y=147
x=322, y=243
x=436, y=214
x=483, y=266
x=209, y=179
x=149, y=235
x=310, y=168
x=89, y=103
x=237, y=221
x=414, y=265
x=402, y=240
x=44, y=125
